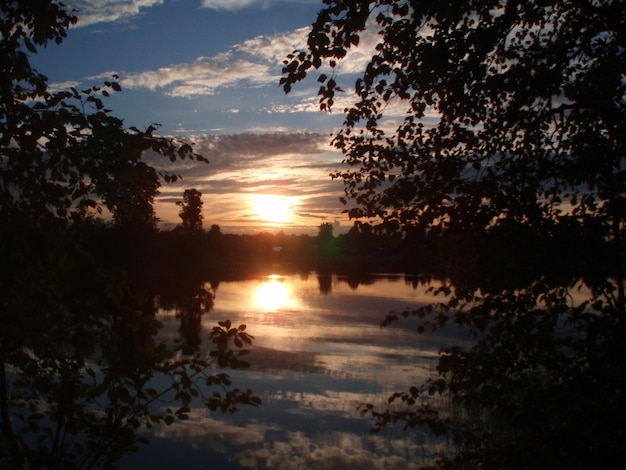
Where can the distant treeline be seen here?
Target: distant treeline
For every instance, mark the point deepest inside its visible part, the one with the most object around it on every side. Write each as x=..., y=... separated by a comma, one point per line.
x=214, y=255
x=221, y=256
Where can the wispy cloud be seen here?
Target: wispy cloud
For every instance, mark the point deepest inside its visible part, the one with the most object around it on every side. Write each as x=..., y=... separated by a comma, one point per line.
x=292, y=164
x=255, y=62
x=202, y=77
x=274, y=49
x=234, y=5
x=91, y=12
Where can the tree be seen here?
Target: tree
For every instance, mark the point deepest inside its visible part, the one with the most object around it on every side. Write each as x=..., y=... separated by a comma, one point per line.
x=61, y=151
x=325, y=232
x=524, y=95
x=132, y=202
x=510, y=152
x=215, y=231
x=77, y=342
x=191, y=211
x=327, y=247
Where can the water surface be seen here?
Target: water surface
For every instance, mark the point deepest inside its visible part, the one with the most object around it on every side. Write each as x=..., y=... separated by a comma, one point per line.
x=318, y=353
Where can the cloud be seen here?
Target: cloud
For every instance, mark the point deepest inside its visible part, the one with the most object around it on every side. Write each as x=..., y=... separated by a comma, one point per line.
x=91, y=12
x=201, y=77
x=293, y=164
x=275, y=48
x=255, y=62
x=235, y=5
x=250, y=149
x=258, y=446
x=62, y=86
x=309, y=103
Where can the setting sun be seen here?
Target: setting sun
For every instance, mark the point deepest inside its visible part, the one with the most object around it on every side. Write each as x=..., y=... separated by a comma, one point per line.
x=273, y=208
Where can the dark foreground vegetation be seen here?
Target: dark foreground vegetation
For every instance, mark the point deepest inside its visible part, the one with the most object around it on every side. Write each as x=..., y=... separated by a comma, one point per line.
x=82, y=368
x=499, y=125
x=505, y=174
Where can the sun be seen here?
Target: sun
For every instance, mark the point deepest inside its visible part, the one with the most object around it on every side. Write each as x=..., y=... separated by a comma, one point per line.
x=273, y=208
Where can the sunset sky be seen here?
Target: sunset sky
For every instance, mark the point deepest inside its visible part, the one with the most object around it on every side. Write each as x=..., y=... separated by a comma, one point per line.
x=208, y=71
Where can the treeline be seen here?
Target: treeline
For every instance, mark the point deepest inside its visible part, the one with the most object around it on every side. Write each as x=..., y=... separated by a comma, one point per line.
x=498, y=256
x=214, y=255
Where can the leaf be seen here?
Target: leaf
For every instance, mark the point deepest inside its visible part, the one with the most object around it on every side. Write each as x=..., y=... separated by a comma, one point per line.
x=29, y=45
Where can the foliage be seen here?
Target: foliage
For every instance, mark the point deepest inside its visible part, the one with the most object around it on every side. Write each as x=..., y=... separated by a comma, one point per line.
x=325, y=231
x=133, y=199
x=81, y=364
x=191, y=211
x=508, y=155
x=542, y=386
x=62, y=152
x=524, y=96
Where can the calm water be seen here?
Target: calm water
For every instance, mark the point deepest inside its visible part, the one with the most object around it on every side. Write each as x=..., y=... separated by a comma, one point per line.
x=318, y=352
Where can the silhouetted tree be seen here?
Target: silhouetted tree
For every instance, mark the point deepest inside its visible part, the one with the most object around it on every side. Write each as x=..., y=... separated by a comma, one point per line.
x=191, y=211
x=361, y=238
x=327, y=248
x=526, y=113
x=77, y=329
x=510, y=155
x=325, y=232
x=215, y=230
x=133, y=199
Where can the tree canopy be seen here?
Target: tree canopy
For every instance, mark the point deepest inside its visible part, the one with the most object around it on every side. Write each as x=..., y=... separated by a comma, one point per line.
x=497, y=128
x=508, y=110
x=61, y=152
x=191, y=211
x=78, y=337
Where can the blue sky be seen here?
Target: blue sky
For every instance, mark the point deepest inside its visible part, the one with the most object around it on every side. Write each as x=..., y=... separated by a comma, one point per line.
x=208, y=70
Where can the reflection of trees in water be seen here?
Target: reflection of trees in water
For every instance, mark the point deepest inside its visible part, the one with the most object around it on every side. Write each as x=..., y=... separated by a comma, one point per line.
x=416, y=281
x=190, y=303
x=544, y=376
x=325, y=282
x=190, y=325
x=82, y=367
x=354, y=281
x=506, y=166
x=81, y=370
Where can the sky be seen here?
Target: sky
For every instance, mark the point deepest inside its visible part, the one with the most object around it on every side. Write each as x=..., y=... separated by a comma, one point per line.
x=208, y=71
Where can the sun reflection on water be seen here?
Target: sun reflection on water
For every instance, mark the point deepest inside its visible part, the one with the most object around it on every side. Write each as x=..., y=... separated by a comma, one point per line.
x=274, y=294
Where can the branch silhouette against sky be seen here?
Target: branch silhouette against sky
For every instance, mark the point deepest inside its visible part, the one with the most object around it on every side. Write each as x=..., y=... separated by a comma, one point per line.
x=208, y=71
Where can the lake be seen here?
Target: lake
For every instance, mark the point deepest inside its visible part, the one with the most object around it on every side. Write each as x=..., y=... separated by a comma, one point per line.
x=318, y=352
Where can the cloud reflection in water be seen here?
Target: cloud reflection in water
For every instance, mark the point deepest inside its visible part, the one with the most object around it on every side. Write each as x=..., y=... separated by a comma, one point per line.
x=315, y=358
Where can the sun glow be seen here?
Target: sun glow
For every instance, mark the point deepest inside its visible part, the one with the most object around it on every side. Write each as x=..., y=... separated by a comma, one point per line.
x=273, y=208
x=273, y=294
